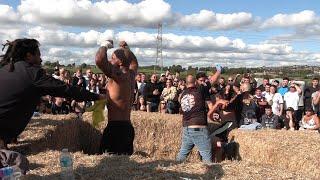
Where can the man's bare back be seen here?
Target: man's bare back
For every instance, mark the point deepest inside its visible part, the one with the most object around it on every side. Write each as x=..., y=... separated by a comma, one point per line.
x=118, y=136
x=119, y=97
x=120, y=86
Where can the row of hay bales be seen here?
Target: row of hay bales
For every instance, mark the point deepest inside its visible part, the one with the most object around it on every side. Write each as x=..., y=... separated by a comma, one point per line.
x=159, y=135
x=265, y=154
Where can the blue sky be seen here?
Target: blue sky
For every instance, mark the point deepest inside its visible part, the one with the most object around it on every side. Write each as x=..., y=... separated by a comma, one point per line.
x=302, y=30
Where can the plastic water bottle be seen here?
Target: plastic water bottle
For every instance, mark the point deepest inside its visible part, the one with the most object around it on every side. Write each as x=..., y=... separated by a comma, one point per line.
x=9, y=173
x=66, y=164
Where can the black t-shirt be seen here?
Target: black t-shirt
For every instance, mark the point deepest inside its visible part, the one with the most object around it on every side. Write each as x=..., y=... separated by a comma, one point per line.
x=262, y=88
x=193, y=106
x=149, y=88
x=21, y=91
x=307, y=95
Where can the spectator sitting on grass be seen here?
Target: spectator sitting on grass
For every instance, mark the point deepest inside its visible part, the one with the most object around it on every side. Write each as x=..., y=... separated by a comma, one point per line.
x=269, y=120
x=310, y=121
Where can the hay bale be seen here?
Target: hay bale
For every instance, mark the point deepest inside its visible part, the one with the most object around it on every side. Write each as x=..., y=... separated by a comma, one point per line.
x=56, y=132
x=49, y=132
x=266, y=154
x=292, y=150
x=46, y=166
x=156, y=135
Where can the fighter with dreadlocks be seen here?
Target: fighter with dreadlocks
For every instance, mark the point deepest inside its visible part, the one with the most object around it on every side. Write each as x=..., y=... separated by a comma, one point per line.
x=23, y=82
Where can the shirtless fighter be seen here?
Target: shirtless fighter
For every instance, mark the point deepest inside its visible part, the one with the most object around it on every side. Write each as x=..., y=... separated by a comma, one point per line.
x=121, y=69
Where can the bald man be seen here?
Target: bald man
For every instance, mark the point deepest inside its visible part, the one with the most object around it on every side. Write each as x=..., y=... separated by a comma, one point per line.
x=195, y=131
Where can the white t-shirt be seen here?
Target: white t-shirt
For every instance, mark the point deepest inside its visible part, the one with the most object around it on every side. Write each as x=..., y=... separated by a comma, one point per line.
x=141, y=86
x=277, y=100
x=291, y=99
x=55, y=76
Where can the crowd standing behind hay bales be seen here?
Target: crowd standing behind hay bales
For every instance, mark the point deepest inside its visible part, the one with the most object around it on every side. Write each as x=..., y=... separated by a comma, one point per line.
x=247, y=102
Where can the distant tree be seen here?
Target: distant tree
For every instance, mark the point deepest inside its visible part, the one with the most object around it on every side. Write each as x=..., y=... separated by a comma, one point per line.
x=83, y=65
x=47, y=63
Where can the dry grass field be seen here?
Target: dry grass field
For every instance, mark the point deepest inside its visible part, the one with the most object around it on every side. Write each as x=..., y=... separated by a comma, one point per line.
x=265, y=154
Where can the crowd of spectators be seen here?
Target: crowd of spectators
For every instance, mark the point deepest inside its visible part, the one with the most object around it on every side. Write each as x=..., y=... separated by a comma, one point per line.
x=273, y=104
x=95, y=83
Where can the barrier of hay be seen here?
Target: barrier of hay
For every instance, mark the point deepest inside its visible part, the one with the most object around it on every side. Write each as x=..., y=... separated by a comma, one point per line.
x=56, y=132
x=156, y=135
x=292, y=150
x=137, y=167
x=48, y=132
x=265, y=154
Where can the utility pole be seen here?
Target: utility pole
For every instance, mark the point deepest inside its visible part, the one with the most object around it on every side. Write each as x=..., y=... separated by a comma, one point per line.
x=159, y=59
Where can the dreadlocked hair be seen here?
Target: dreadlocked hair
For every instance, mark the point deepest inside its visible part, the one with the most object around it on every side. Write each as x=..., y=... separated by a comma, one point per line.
x=17, y=51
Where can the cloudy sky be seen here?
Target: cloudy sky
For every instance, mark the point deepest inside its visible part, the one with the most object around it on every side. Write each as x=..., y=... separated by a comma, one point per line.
x=234, y=33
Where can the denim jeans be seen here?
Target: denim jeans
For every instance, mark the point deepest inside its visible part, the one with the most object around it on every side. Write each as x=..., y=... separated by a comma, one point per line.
x=196, y=137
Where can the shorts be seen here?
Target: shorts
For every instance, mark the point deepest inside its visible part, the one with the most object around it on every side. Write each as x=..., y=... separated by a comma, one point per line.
x=118, y=138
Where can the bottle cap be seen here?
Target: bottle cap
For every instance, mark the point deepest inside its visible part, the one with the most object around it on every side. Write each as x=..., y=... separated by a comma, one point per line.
x=65, y=150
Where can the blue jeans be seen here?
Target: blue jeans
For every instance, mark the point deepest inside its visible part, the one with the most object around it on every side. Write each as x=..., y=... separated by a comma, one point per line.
x=196, y=137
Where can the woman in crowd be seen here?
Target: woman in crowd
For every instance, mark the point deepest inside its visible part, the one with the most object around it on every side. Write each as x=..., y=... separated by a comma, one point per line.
x=169, y=97
x=289, y=120
x=92, y=86
x=142, y=104
x=310, y=121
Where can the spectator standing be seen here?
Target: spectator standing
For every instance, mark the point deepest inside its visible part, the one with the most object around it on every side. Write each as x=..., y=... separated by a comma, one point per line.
x=153, y=91
x=316, y=102
x=308, y=91
x=170, y=96
x=291, y=99
x=284, y=86
x=264, y=83
x=88, y=76
x=262, y=103
x=56, y=72
x=78, y=79
x=221, y=85
x=275, y=100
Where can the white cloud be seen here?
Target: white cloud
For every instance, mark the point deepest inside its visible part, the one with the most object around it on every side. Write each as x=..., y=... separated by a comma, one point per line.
x=302, y=18
x=45, y=20
x=63, y=38
x=8, y=15
x=147, y=13
x=206, y=19
x=68, y=47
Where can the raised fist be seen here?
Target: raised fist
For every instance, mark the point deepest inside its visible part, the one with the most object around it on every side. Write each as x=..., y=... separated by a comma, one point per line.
x=108, y=44
x=219, y=67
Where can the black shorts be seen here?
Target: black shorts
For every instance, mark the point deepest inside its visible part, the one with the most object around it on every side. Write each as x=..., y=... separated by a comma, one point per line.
x=118, y=138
